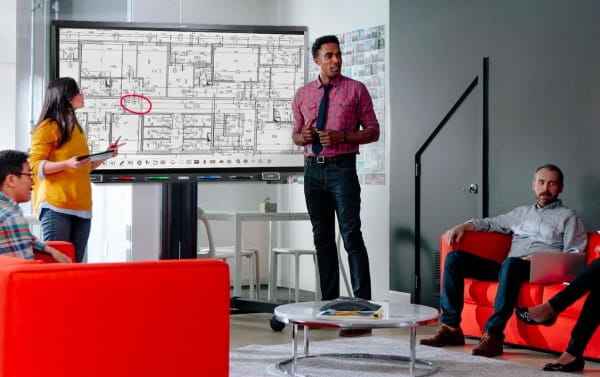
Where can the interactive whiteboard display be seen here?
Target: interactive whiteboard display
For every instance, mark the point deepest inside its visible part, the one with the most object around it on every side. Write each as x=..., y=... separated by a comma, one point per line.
x=183, y=97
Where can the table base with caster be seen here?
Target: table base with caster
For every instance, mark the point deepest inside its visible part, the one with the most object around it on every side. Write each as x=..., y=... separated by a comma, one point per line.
x=286, y=367
x=276, y=325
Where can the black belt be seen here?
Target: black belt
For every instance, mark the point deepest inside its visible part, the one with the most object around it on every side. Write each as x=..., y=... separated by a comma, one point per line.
x=330, y=160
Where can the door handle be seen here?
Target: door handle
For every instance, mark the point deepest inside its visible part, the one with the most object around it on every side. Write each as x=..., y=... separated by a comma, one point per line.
x=472, y=188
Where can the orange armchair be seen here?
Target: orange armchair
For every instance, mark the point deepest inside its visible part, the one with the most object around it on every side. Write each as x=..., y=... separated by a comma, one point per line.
x=151, y=319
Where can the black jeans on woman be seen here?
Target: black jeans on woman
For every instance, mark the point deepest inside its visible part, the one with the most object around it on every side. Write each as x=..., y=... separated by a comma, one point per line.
x=589, y=318
x=331, y=187
x=58, y=226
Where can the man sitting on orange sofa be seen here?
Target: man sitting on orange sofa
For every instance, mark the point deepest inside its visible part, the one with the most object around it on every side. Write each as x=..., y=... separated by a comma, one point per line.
x=547, y=225
x=15, y=187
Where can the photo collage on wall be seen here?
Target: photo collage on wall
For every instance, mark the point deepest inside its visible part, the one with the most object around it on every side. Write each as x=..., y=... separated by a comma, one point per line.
x=363, y=53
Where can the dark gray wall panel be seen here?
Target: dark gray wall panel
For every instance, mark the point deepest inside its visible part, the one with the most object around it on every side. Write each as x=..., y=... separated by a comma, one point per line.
x=544, y=95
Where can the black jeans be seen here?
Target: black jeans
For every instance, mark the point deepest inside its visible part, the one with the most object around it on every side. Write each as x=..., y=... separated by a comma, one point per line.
x=332, y=188
x=461, y=264
x=589, y=318
x=61, y=227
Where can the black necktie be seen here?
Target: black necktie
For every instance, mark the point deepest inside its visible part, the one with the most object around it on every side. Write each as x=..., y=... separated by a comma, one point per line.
x=316, y=144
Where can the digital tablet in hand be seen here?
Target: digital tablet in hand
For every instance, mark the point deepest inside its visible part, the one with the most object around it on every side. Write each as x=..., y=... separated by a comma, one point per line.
x=96, y=156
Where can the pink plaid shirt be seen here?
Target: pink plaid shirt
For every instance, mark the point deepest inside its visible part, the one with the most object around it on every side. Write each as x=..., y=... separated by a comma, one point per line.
x=350, y=106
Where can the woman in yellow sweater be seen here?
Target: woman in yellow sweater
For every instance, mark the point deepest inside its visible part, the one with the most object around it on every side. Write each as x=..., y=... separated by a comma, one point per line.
x=62, y=193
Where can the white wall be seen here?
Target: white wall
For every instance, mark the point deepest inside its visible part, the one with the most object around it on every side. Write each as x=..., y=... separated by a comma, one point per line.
x=334, y=16
x=110, y=237
x=230, y=12
x=8, y=68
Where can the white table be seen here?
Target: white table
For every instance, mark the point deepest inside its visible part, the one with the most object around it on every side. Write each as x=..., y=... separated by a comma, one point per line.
x=238, y=218
x=395, y=315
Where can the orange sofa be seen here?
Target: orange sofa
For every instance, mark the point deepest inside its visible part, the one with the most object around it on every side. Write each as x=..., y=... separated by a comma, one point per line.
x=151, y=319
x=479, y=298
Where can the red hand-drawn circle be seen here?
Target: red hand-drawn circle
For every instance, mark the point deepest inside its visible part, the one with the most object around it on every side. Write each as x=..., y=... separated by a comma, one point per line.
x=144, y=98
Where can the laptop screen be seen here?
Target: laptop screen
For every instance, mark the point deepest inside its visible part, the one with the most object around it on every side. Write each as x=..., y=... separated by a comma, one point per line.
x=552, y=267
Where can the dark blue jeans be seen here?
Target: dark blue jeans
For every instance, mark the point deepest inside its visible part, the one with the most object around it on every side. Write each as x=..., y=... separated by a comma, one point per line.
x=332, y=188
x=589, y=318
x=61, y=227
x=461, y=264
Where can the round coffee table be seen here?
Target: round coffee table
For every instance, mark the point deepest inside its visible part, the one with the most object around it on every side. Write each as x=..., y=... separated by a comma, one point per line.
x=395, y=315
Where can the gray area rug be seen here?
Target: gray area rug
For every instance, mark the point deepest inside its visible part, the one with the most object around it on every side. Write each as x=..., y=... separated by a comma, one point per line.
x=253, y=360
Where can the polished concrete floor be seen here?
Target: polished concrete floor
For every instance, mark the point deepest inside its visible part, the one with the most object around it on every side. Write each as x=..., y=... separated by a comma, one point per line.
x=255, y=329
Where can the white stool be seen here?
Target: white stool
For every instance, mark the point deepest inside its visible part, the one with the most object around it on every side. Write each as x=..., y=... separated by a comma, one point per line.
x=296, y=253
x=227, y=252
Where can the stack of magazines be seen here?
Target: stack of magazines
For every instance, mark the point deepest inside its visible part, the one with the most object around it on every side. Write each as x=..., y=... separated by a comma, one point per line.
x=351, y=308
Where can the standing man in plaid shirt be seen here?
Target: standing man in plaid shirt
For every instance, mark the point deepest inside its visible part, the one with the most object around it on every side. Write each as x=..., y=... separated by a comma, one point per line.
x=16, y=181
x=332, y=116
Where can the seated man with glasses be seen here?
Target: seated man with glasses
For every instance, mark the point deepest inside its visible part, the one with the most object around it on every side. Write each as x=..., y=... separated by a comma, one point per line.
x=16, y=181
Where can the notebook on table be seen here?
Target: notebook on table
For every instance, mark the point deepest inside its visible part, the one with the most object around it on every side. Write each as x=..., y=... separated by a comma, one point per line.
x=555, y=267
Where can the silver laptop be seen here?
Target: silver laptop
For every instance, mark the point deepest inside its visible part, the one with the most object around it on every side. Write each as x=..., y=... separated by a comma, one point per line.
x=555, y=267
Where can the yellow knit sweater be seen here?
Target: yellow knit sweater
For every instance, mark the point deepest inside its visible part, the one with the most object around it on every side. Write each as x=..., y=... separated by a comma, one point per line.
x=70, y=188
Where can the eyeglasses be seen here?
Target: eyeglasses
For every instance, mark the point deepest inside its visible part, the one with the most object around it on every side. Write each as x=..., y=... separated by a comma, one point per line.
x=30, y=174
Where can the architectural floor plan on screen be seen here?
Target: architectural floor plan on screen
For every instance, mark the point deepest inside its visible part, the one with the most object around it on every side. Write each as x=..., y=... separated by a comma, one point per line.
x=186, y=99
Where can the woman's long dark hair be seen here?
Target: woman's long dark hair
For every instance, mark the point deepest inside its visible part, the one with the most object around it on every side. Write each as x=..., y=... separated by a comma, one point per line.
x=57, y=106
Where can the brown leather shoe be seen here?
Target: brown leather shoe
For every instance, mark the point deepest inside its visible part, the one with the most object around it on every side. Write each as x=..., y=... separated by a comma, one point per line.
x=445, y=336
x=489, y=346
x=355, y=332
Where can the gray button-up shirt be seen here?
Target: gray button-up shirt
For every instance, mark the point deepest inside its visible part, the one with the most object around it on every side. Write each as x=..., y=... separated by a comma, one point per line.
x=554, y=227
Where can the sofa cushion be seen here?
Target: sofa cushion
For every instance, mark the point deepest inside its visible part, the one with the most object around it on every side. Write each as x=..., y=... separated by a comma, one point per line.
x=480, y=292
x=571, y=311
x=484, y=293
